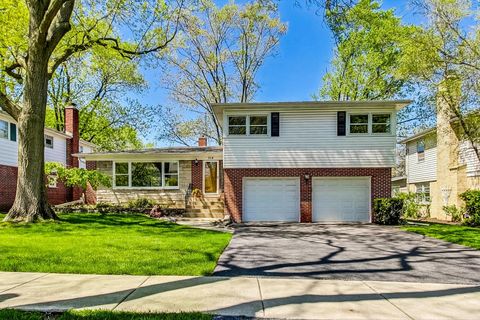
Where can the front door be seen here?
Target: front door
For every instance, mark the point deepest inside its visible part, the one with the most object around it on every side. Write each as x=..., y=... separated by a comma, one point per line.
x=210, y=177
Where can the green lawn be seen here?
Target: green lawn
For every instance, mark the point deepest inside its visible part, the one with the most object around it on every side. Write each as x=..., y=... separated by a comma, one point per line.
x=466, y=236
x=100, y=315
x=109, y=244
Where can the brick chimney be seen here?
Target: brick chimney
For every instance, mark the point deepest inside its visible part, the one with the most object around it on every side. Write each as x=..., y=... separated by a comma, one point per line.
x=72, y=129
x=202, y=141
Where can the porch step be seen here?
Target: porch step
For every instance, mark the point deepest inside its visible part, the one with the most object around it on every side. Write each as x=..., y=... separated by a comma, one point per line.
x=216, y=215
x=194, y=210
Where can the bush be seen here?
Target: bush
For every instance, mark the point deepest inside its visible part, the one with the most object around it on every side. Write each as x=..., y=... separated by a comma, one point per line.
x=411, y=207
x=472, y=207
x=454, y=212
x=141, y=203
x=387, y=211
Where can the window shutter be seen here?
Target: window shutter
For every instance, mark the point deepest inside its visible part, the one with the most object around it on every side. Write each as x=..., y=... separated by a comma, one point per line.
x=341, y=123
x=275, y=121
x=13, y=132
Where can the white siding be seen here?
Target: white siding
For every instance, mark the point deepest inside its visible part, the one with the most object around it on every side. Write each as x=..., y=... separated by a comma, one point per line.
x=59, y=151
x=8, y=149
x=308, y=138
x=468, y=156
x=426, y=170
x=86, y=149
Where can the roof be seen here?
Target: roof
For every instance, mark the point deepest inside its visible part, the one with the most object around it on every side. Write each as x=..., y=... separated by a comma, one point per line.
x=397, y=104
x=399, y=178
x=419, y=135
x=155, y=151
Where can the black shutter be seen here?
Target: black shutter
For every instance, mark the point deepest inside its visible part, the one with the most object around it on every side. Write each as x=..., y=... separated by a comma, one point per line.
x=341, y=123
x=275, y=120
x=13, y=132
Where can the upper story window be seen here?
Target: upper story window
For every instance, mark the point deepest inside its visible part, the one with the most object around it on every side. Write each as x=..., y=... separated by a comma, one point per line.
x=248, y=125
x=359, y=123
x=49, y=142
x=3, y=129
x=237, y=125
x=421, y=150
x=258, y=125
x=381, y=123
x=376, y=123
x=146, y=174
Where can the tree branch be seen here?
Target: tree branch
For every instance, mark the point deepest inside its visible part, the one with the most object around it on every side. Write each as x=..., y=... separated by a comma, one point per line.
x=9, y=106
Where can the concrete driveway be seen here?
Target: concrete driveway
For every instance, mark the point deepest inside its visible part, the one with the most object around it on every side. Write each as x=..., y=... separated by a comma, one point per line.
x=346, y=252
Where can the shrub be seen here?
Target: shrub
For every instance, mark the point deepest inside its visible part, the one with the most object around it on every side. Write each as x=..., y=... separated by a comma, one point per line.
x=411, y=207
x=453, y=212
x=141, y=203
x=387, y=211
x=472, y=207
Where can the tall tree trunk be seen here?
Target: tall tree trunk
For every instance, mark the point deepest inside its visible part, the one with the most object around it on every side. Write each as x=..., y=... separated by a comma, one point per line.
x=31, y=198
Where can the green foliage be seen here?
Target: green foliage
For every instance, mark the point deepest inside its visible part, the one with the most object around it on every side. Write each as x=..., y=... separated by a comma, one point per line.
x=453, y=212
x=77, y=177
x=117, y=244
x=368, y=53
x=12, y=314
x=472, y=207
x=463, y=235
x=411, y=207
x=144, y=203
x=387, y=211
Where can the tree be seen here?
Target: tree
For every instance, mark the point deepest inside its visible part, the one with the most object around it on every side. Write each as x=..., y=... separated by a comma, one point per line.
x=368, y=53
x=45, y=35
x=217, y=56
x=445, y=54
x=98, y=82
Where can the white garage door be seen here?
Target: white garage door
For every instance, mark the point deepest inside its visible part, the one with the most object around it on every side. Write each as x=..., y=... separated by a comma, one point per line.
x=341, y=199
x=271, y=199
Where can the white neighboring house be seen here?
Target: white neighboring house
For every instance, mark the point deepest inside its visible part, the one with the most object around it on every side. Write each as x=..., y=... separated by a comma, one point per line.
x=440, y=166
x=58, y=145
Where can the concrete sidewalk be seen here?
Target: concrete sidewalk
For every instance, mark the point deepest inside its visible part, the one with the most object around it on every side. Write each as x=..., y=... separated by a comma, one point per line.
x=278, y=298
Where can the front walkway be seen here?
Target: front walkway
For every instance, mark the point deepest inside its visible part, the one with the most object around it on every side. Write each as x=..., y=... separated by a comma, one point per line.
x=278, y=298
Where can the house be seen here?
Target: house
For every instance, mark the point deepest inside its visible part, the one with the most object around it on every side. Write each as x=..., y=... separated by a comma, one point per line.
x=59, y=147
x=440, y=164
x=287, y=161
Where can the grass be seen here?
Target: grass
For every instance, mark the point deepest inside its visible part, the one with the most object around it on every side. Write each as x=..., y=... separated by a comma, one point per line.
x=467, y=236
x=109, y=244
x=97, y=315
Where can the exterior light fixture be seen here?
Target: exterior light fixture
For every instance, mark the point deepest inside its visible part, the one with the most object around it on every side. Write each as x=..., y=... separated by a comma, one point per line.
x=196, y=162
x=306, y=176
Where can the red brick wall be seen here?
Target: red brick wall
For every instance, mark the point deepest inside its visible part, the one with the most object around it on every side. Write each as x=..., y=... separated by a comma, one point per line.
x=8, y=187
x=233, y=179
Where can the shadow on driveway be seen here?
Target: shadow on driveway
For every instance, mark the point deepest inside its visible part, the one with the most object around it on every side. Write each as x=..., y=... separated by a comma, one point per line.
x=349, y=252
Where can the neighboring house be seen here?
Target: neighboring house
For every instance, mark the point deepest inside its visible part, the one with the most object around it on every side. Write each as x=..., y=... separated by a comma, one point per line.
x=440, y=165
x=399, y=185
x=59, y=147
x=298, y=161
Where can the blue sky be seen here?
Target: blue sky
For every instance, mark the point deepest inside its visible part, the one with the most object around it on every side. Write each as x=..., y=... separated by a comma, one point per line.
x=295, y=72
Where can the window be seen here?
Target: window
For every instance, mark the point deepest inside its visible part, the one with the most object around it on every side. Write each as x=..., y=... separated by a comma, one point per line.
x=121, y=174
x=258, y=124
x=359, y=123
x=171, y=174
x=237, y=125
x=52, y=181
x=248, y=125
x=3, y=129
x=421, y=150
x=146, y=174
x=423, y=192
x=381, y=123
x=49, y=142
